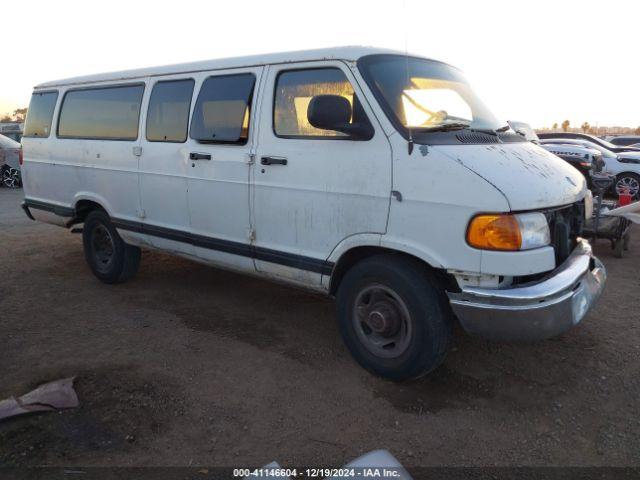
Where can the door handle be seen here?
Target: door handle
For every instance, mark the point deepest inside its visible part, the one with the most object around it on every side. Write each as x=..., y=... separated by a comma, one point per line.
x=273, y=161
x=199, y=156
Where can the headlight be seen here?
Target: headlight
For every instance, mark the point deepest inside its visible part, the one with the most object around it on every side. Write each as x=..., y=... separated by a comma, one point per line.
x=509, y=232
x=588, y=205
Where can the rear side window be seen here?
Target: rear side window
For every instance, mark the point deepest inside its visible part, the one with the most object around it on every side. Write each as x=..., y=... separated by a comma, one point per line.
x=109, y=113
x=221, y=114
x=168, y=113
x=294, y=91
x=40, y=114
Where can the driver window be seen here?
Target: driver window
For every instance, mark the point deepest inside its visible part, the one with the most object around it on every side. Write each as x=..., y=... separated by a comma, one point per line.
x=295, y=89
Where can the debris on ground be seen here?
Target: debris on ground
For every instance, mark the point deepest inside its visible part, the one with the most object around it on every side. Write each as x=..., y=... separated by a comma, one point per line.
x=48, y=397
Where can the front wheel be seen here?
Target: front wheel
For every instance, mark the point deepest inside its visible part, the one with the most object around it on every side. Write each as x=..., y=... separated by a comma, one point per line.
x=394, y=317
x=110, y=259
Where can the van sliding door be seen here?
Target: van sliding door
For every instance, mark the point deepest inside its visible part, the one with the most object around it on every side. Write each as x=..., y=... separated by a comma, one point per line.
x=218, y=155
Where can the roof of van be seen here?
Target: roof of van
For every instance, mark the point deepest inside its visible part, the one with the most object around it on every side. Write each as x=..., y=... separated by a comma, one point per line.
x=336, y=53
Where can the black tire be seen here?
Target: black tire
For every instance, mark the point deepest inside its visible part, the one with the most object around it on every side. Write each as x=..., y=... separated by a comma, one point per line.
x=429, y=325
x=626, y=241
x=110, y=259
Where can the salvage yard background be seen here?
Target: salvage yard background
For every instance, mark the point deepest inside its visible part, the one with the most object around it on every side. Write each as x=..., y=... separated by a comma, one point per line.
x=189, y=365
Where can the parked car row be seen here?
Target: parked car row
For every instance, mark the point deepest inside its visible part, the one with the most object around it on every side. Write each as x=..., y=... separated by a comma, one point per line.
x=10, y=160
x=590, y=154
x=586, y=160
x=624, y=140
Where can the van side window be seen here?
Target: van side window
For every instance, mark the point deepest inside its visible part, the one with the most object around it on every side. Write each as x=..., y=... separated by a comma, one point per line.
x=168, y=113
x=221, y=114
x=107, y=113
x=40, y=114
x=293, y=93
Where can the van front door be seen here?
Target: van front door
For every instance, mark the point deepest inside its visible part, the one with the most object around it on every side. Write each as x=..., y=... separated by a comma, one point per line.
x=312, y=187
x=219, y=152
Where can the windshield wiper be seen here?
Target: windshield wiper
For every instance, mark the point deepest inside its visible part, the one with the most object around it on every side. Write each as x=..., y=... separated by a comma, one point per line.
x=445, y=127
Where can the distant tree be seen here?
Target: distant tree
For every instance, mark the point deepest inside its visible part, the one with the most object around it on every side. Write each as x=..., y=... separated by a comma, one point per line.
x=6, y=119
x=585, y=127
x=19, y=114
x=637, y=131
x=565, y=125
x=555, y=126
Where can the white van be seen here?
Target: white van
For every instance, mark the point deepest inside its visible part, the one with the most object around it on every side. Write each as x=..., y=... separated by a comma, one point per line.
x=365, y=174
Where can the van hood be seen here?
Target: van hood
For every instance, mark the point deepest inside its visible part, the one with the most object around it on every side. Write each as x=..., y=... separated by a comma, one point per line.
x=527, y=175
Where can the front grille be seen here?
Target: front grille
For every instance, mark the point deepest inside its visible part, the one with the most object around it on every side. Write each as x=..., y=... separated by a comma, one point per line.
x=566, y=225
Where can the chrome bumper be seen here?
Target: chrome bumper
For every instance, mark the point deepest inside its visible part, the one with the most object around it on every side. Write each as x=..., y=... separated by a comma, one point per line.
x=535, y=311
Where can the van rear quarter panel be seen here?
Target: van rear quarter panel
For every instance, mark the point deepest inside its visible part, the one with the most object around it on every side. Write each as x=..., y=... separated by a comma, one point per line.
x=66, y=170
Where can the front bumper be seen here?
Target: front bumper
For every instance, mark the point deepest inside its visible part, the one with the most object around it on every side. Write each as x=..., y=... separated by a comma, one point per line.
x=537, y=310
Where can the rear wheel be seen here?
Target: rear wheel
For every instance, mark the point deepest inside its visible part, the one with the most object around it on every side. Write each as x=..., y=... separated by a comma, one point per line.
x=394, y=317
x=110, y=259
x=11, y=177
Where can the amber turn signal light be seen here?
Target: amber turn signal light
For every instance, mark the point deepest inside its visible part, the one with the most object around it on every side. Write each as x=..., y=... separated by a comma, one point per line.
x=495, y=232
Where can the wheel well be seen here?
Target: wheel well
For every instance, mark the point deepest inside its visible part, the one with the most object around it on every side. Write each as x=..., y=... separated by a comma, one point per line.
x=82, y=209
x=356, y=255
x=626, y=172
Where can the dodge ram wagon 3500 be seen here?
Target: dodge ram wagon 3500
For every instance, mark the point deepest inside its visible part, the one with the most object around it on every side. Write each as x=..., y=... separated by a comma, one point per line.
x=369, y=175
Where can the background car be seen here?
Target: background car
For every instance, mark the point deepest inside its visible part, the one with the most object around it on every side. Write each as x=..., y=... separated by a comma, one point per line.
x=586, y=160
x=13, y=131
x=625, y=166
x=10, y=155
x=589, y=138
x=626, y=140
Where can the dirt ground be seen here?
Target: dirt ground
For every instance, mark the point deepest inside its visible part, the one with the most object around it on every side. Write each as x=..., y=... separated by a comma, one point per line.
x=189, y=365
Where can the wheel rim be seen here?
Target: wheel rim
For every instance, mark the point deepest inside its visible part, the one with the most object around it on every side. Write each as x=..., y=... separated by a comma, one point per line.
x=11, y=177
x=628, y=183
x=382, y=321
x=103, y=247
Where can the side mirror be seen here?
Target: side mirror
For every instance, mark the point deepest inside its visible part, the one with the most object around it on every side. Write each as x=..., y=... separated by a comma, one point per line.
x=333, y=112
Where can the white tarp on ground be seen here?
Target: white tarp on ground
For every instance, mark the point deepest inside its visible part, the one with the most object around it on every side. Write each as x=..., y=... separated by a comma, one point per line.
x=48, y=397
x=630, y=212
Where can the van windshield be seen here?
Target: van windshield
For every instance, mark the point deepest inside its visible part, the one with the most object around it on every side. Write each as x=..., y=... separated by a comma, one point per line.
x=424, y=95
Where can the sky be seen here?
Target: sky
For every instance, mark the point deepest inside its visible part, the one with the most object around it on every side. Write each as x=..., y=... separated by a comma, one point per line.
x=540, y=62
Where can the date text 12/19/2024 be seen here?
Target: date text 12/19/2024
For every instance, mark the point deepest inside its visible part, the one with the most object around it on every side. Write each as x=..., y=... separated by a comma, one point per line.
x=337, y=473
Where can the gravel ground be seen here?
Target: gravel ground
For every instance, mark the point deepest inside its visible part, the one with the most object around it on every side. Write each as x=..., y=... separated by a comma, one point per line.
x=189, y=365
